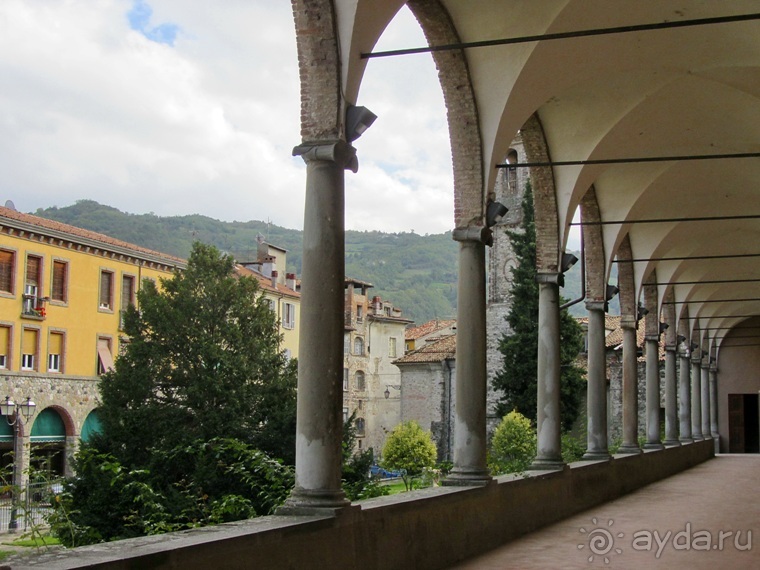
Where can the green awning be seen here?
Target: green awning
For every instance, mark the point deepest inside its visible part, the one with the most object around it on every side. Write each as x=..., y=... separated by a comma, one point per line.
x=48, y=427
x=91, y=426
x=6, y=430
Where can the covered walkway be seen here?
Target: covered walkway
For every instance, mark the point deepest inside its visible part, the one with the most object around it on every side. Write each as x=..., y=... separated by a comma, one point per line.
x=689, y=512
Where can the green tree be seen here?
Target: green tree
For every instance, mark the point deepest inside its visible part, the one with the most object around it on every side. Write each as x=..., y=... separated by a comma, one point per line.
x=357, y=481
x=513, y=445
x=203, y=361
x=198, y=401
x=517, y=380
x=409, y=449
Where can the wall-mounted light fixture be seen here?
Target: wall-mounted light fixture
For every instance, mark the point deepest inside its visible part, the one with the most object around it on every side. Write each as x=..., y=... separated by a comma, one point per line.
x=680, y=338
x=495, y=211
x=664, y=327
x=358, y=120
x=568, y=260
x=641, y=312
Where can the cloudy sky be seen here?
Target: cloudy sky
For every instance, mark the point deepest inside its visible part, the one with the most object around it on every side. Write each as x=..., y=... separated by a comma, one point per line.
x=190, y=106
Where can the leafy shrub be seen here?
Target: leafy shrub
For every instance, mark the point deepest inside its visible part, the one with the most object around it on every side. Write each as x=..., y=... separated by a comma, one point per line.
x=409, y=449
x=513, y=446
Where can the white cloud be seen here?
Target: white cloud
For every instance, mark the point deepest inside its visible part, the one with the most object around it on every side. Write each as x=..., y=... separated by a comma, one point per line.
x=90, y=108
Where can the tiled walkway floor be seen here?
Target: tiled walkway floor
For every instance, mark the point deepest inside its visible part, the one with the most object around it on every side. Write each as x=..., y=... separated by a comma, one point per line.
x=676, y=523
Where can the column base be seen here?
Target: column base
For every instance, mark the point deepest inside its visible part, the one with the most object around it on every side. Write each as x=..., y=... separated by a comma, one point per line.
x=596, y=456
x=547, y=465
x=467, y=478
x=629, y=449
x=671, y=443
x=697, y=438
x=303, y=502
x=685, y=440
x=653, y=446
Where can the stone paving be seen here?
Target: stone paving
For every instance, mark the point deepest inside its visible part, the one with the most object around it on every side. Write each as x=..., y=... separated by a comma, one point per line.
x=706, y=517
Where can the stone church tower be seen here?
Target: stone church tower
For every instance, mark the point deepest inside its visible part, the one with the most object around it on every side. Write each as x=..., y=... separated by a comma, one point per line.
x=509, y=190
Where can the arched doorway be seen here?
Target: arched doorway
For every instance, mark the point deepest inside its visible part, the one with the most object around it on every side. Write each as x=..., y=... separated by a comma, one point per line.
x=48, y=444
x=92, y=425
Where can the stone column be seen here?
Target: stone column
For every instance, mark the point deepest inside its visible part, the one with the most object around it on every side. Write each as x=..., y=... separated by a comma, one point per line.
x=653, y=392
x=696, y=399
x=549, y=454
x=319, y=428
x=714, y=402
x=470, y=443
x=671, y=398
x=630, y=391
x=596, y=447
x=684, y=396
x=706, y=432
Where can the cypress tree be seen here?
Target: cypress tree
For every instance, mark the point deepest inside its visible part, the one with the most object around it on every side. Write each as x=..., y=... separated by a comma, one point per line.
x=517, y=380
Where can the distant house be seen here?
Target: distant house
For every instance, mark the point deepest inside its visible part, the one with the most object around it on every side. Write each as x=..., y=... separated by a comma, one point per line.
x=373, y=339
x=428, y=377
x=419, y=336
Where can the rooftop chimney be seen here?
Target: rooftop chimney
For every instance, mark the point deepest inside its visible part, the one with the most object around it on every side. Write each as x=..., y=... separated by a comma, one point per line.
x=274, y=279
x=290, y=281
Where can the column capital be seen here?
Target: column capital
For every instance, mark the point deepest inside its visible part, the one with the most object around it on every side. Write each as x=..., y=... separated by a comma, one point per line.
x=671, y=348
x=596, y=306
x=474, y=233
x=627, y=323
x=550, y=278
x=337, y=151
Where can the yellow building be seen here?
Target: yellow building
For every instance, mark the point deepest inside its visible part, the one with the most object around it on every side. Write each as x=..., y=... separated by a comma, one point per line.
x=62, y=291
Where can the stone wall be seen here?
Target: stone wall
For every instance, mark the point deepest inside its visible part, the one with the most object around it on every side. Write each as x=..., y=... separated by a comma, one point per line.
x=428, y=397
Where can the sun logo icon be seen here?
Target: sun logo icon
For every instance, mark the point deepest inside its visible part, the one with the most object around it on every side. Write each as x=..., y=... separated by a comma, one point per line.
x=600, y=541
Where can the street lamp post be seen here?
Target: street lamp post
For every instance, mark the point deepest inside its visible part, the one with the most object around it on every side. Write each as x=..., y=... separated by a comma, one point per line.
x=16, y=415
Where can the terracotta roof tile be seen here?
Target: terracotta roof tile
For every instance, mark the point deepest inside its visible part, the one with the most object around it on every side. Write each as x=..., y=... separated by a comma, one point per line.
x=75, y=232
x=413, y=333
x=437, y=351
x=266, y=282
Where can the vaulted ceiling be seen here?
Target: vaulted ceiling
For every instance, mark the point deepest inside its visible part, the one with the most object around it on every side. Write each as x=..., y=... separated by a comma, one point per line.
x=685, y=91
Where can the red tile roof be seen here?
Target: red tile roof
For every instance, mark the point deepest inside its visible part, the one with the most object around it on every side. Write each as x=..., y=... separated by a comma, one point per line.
x=41, y=224
x=437, y=351
x=413, y=333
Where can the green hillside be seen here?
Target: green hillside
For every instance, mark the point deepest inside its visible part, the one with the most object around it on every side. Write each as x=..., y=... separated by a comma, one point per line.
x=416, y=273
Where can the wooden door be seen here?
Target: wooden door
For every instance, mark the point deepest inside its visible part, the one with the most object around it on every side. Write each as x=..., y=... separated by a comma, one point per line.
x=736, y=423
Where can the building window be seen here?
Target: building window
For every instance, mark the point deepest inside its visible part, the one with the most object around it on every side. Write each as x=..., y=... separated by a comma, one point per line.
x=29, y=349
x=5, y=347
x=346, y=343
x=7, y=270
x=288, y=315
x=359, y=313
x=106, y=290
x=360, y=383
x=127, y=296
x=359, y=427
x=32, y=284
x=59, y=291
x=55, y=352
x=105, y=356
x=345, y=415
x=392, y=347
x=287, y=354
x=27, y=362
x=359, y=346
x=345, y=379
